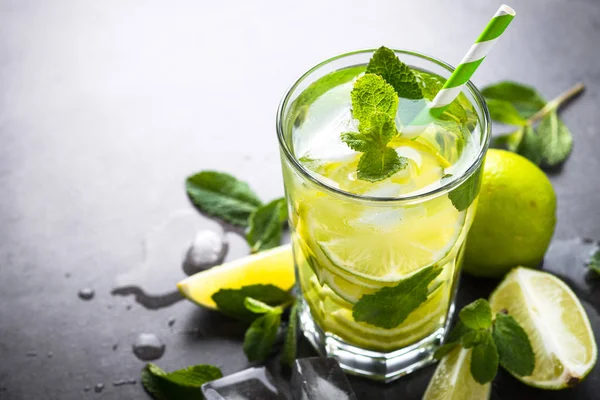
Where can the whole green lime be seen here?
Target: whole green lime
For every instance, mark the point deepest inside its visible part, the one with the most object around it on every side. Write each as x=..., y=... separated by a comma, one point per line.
x=515, y=218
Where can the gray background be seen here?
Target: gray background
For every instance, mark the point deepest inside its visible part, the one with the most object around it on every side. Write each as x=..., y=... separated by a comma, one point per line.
x=106, y=107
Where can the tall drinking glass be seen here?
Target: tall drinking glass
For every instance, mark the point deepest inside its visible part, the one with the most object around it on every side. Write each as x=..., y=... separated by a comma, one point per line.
x=377, y=263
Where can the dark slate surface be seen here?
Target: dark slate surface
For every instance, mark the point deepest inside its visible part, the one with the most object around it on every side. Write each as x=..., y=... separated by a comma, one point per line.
x=105, y=107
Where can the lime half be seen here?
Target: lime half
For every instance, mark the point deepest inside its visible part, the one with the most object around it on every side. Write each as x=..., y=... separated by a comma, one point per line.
x=556, y=323
x=452, y=379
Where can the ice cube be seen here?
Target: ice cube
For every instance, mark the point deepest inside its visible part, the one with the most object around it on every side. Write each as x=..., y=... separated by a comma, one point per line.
x=207, y=249
x=323, y=142
x=411, y=154
x=249, y=384
x=317, y=378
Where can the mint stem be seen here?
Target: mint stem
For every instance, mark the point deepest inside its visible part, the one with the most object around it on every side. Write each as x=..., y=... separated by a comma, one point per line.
x=555, y=103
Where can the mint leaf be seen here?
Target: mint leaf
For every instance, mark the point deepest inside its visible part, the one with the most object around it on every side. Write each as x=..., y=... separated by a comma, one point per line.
x=221, y=195
x=385, y=64
x=374, y=133
x=260, y=337
x=505, y=112
x=183, y=384
x=231, y=301
x=357, y=141
x=472, y=338
x=373, y=94
x=477, y=315
x=258, y=307
x=525, y=99
x=549, y=144
x=291, y=338
x=378, y=161
x=378, y=164
x=594, y=262
x=555, y=138
x=265, y=225
x=389, y=307
x=464, y=195
x=484, y=360
x=514, y=347
x=530, y=145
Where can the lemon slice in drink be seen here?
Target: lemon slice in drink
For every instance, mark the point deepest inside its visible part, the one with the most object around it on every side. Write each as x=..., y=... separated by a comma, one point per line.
x=452, y=379
x=274, y=266
x=556, y=323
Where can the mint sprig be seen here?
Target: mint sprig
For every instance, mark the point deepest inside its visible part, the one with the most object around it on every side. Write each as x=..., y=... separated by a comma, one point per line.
x=540, y=135
x=378, y=161
x=224, y=196
x=263, y=306
x=374, y=105
x=390, y=306
x=500, y=341
x=183, y=384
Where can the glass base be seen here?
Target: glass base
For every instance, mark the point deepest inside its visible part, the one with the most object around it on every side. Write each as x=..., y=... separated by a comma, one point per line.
x=374, y=365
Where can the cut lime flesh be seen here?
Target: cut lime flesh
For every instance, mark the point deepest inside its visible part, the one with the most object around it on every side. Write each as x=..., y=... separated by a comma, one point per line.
x=556, y=323
x=452, y=379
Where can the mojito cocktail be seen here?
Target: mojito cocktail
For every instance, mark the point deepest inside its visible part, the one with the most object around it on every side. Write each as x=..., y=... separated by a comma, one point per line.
x=379, y=209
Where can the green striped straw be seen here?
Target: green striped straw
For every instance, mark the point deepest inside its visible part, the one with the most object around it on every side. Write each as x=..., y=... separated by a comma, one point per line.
x=467, y=66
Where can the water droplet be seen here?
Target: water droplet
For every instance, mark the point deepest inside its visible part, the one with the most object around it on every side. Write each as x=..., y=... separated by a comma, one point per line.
x=171, y=321
x=67, y=275
x=50, y=354
x=128, y=307
x=31, y=354
x=122, y=382
x=87, y=388
x=115, y=346
x=206, y=250
x=86, y=294
x=148, y=347
x=99, y=387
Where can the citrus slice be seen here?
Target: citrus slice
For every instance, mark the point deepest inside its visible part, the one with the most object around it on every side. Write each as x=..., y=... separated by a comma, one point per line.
x=384, y=245
x=274, y=266
x=452, y=379
x=556, y=323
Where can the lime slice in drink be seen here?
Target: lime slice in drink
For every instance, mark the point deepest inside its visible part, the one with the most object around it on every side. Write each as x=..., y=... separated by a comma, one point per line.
x=452, y=379
x=556, y=323
x=390, y=253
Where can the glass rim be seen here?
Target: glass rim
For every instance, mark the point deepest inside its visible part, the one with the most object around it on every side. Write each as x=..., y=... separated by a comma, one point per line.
x=442, y=189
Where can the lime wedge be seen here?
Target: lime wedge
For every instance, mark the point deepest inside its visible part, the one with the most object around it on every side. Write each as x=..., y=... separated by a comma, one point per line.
x=556, y=323
x=452, y=379
x=274, y=266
